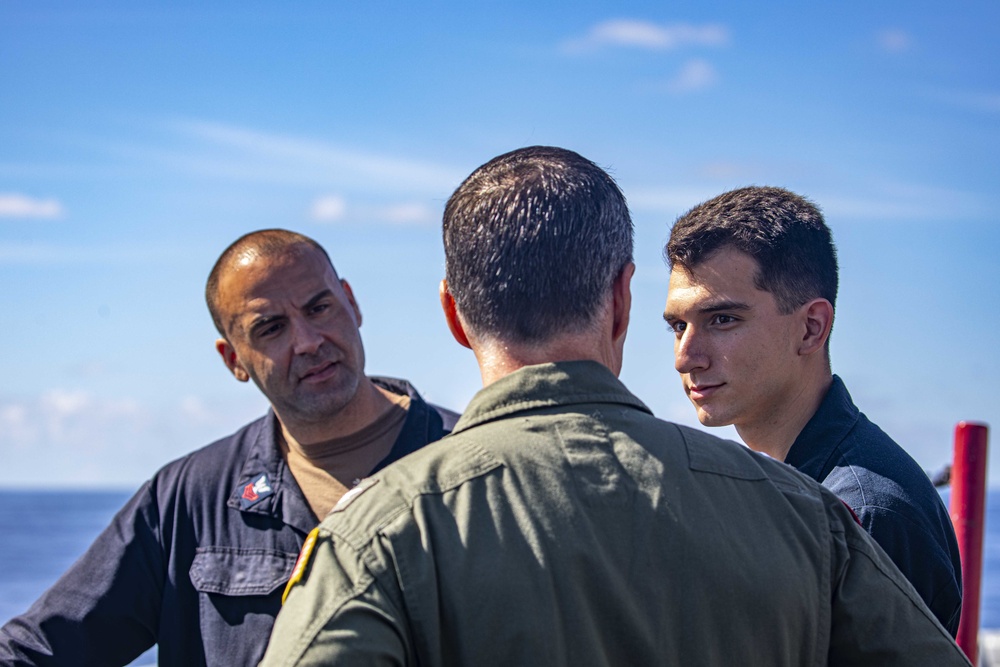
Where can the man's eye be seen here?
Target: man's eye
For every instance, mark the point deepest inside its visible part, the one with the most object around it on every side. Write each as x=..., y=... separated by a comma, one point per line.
x=677, y=327
x=319, y=308
x=268, y=330
x=723, y=319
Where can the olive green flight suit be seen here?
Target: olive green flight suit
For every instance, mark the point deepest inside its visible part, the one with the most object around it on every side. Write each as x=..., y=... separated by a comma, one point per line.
x=562, y=524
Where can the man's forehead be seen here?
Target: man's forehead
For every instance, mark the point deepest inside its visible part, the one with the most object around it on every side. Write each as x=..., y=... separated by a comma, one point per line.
x=252, y=268
x=255, y=281
x=720, y=281
x=725, y=268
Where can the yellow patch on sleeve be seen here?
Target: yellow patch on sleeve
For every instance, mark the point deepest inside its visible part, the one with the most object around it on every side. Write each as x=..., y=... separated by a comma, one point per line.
x=302, y=562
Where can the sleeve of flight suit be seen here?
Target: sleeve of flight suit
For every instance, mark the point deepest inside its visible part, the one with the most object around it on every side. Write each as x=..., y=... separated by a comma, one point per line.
x=877, y=616
x=105, y=609
x=339, y=614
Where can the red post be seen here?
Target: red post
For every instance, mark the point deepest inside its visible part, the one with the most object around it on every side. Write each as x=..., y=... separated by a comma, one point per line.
x=968, y=514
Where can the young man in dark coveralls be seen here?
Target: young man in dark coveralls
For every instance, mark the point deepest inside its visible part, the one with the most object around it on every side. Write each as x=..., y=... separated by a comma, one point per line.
x=197, y=560
x=753, y=284
x=561, y=523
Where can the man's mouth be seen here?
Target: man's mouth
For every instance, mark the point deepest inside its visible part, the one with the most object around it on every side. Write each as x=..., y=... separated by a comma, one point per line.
x=319, y=373
x=703, y=390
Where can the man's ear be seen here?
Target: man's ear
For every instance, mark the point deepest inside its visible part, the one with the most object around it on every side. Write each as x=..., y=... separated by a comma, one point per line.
x=622, y=289
x=451, y=316
x=818, y=319
x=350, y=299
x=231, y=360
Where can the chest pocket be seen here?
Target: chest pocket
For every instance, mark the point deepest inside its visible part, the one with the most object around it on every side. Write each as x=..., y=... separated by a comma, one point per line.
x=239, y=594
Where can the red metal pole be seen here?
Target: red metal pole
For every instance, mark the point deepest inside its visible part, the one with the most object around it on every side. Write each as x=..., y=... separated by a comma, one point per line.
x=968, y=514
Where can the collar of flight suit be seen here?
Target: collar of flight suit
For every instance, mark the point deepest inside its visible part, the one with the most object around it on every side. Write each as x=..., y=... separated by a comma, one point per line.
x=543, y=386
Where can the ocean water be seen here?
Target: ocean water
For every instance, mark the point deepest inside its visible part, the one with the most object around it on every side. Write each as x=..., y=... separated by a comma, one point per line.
x=43, y=532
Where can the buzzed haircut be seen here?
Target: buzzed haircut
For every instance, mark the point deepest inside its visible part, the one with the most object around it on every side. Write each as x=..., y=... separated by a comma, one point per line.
x=533, y=241
x=784, y=232
x=263, y=243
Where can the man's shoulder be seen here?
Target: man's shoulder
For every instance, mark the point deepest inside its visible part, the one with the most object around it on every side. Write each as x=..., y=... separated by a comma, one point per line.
x=861, y=462
x=214, y=460
x=710, y=454
x=877, y=468
x=889, y=491
x=405, y=388
x=432, y=470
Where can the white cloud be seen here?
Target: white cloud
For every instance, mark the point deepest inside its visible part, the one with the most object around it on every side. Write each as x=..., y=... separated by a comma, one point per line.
x=21, y=206
x=894, y=40
x=648, y=35
x=693, y=76
x=330, y=208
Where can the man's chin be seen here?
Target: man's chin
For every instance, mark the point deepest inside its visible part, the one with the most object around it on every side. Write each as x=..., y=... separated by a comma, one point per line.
x=319, y=409
x=707, y=418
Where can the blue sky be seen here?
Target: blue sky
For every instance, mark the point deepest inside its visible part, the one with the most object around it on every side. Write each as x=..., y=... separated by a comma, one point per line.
x=138, y=139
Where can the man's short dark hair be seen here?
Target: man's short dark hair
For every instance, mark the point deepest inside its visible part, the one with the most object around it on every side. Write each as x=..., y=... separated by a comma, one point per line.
x=784, y=232
x=533, y=241
x=264, y=243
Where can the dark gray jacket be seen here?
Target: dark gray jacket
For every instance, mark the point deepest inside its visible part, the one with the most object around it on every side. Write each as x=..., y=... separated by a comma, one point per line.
x=892, y=496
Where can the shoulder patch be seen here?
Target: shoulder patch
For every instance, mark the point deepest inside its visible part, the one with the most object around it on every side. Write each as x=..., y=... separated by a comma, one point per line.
x=298, y=572
x=349, y=497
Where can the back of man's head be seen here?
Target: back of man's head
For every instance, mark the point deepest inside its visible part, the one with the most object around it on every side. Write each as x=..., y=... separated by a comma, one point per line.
x=263, y=243
x=533, y=241
x=784, y=232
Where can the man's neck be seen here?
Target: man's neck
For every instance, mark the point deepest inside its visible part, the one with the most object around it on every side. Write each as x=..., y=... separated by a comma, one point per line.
x=370, y=403
x=499, y=359
x=775, y=434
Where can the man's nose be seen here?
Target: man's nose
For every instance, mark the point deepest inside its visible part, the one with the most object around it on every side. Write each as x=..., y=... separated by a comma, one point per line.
x=689, y=352
x=306, y=339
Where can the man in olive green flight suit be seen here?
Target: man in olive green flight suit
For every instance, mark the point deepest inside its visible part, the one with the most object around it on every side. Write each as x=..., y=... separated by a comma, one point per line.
x=561, y=523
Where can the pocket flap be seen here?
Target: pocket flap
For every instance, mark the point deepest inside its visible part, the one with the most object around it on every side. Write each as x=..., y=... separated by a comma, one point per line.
x=230, y=571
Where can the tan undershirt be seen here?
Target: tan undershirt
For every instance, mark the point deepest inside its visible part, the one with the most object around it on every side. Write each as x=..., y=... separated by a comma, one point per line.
x=327, y=470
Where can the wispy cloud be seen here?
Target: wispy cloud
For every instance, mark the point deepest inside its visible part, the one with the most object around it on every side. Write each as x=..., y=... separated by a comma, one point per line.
x=988, y=102
x=239, y=153
x=13, y=205
x=87, y=438
x=669, y=201
x=728, y=170
x=59, y=416
x=648, y=35
x=886, y=202
x=693, y=76
x=410, y=214
x=335, y=209
x=12, y=252
x=903, y=202
x=894, y=40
